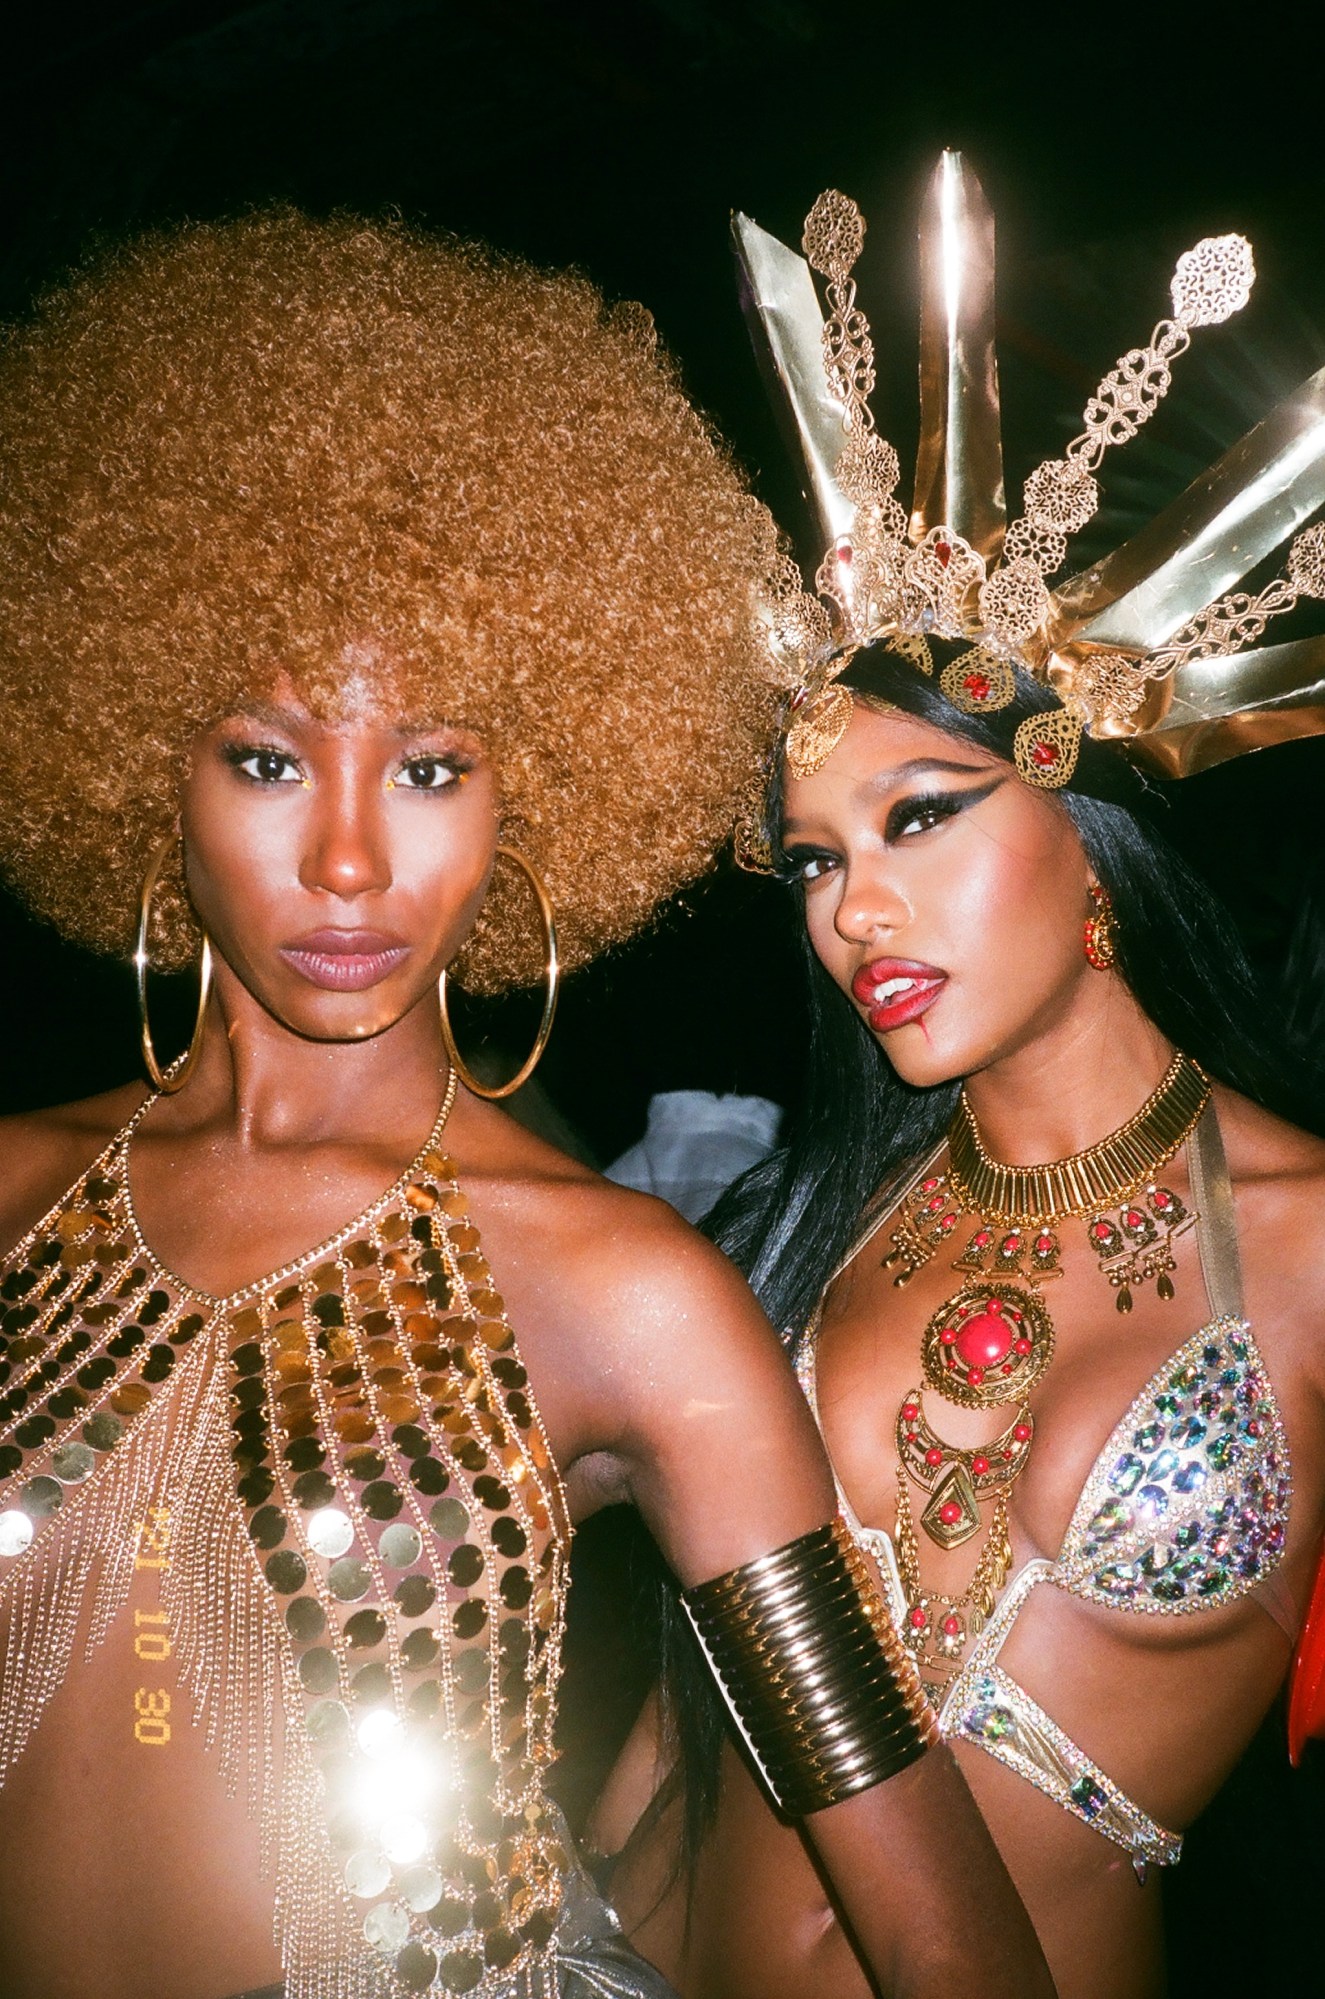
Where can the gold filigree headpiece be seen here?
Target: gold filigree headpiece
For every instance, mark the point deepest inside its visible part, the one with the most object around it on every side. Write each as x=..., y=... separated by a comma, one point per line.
x=1145, y=648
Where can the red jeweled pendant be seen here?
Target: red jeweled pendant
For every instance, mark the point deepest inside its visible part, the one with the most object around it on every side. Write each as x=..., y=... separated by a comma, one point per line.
x=989, y=1344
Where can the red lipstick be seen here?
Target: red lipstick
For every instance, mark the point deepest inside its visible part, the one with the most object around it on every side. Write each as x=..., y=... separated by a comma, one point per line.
x=896, y=990
x=345, y=961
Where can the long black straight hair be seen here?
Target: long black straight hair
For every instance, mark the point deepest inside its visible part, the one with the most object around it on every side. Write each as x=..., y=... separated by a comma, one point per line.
x=858, y=1130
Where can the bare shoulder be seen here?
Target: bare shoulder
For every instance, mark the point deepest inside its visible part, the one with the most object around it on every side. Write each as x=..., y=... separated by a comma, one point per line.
x=1278, y=1174
x=609, y=1264
x=1270, y=1160
x=647, y=1353
x=45, y=1151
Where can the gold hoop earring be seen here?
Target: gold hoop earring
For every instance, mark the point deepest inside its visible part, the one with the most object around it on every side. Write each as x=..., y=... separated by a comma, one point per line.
x=551, y=975
x=174, y=1078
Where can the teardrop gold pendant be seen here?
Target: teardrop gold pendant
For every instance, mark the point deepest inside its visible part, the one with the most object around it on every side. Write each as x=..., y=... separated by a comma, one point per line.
x=1046, y=748
x=817, y=731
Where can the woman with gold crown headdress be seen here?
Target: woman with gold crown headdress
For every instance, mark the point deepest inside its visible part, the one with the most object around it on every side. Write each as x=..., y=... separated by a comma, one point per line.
x=1045, y=1233
x=377, y=609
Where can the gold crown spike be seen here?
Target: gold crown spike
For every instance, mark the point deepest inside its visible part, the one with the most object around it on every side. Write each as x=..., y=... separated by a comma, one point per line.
x=787, y=327
x=959, y=466
x=1214, y=709
x=1227, y=521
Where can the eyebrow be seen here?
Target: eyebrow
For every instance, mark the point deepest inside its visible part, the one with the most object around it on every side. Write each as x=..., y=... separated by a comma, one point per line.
x=885, y=780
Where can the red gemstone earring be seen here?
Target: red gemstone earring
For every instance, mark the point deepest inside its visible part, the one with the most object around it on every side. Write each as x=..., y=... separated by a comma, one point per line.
x=1100, y=935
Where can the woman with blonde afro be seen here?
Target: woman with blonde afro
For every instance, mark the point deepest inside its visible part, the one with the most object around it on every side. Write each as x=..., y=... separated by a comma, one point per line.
x=371, y=604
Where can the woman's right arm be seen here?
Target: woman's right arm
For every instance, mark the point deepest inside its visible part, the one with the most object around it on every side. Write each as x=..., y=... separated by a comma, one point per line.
x=718, y=1449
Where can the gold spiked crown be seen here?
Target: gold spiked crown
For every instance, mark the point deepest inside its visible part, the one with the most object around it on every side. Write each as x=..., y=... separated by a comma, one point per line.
x=1153, y=648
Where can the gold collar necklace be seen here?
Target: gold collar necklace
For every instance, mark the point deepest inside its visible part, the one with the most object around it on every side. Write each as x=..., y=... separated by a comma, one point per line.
x=1100, y=1177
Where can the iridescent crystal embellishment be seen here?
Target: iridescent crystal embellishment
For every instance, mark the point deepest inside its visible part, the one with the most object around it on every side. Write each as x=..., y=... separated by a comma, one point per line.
x=1189, y=1502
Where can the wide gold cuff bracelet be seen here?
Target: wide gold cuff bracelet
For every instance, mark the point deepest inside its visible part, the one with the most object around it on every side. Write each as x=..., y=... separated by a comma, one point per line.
x=826, y=1696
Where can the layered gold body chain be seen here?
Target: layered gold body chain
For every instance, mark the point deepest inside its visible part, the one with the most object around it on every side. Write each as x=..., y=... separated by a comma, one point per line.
x=990, y=1343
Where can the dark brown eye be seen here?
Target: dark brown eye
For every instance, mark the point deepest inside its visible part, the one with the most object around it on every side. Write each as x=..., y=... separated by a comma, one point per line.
x=815, y=867
x=919, y=817
x=804, y=864
x=427, y=774
x=264, y=765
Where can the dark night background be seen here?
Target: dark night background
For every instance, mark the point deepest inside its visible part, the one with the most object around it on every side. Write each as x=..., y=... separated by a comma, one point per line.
x=618, y=137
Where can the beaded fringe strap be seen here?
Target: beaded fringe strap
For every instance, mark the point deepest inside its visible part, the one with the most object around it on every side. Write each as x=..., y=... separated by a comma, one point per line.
x=815, y=1675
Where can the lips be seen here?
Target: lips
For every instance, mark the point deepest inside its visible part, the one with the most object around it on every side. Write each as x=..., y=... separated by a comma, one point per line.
x=896, y=990
x=345, y=961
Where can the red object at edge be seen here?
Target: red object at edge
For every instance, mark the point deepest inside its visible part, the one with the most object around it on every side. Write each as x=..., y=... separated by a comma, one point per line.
x=1306, y=1678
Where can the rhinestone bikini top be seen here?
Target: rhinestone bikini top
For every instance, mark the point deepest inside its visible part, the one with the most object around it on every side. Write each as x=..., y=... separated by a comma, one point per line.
x=1185, y=1508
x=361, y=1541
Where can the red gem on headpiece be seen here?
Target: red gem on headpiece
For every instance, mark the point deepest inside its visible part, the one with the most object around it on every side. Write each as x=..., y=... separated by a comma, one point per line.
x=944, y=553
x=978, y=685
x=1045, y=755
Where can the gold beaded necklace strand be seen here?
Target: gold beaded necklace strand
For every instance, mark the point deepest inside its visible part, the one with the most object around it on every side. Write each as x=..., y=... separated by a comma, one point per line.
x=990, y=1344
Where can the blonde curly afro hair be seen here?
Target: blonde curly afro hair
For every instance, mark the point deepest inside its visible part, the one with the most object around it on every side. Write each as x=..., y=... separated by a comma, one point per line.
x=252, y=448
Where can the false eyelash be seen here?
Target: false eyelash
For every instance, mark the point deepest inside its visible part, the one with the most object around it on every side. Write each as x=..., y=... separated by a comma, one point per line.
x=455, y=761
x=942, y=804
x=789, y=864
x=937, y=805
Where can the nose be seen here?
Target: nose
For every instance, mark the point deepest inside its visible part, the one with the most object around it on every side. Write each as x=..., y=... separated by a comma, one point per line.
x=346, y=852
x=871, y=909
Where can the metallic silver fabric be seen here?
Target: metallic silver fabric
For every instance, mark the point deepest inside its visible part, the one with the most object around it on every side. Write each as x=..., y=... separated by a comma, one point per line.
x=594, y=1961
x=588, y=1958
